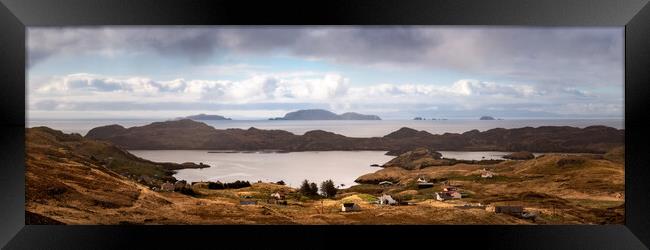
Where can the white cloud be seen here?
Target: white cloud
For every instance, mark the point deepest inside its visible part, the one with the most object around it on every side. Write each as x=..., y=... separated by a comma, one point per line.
x=85, y=92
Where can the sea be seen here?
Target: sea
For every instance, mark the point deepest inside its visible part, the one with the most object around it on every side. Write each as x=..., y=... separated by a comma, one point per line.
x=342, y=167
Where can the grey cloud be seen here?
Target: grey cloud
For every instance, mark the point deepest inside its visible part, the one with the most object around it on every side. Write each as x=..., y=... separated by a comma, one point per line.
x=546, y=55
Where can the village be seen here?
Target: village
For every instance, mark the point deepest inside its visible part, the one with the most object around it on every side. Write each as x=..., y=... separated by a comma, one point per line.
x=443, y=194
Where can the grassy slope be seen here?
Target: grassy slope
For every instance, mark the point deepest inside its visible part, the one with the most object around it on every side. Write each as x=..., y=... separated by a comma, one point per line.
x=66, y=184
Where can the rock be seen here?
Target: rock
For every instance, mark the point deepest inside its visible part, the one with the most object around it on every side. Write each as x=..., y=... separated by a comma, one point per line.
x=522, y=155
x=393, y=175
x=417, y=159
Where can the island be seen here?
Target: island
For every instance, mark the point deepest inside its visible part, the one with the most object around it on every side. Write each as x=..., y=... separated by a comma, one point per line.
x=205, y=117
x=486, y=118
x=321, y=114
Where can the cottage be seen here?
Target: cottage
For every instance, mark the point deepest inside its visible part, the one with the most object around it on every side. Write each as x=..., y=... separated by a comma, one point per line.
x=385, y=183
x=442, y=196
x=278, y=196
x=387, y=200
x=167, y=187
x=486, y=174
x=513, y=210
x=350, y=207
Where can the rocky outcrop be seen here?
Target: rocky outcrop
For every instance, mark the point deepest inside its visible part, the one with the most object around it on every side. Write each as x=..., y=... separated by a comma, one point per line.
x=417, y=159
x=393, y=175
x=321, y=114
x=188, y=134
x=523, y=155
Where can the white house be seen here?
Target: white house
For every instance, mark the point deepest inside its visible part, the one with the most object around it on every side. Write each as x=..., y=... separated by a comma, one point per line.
x=421, y=180
x=350, y=207
x=442, y=196
x=277, y=195
x=386, y=200
x=486, y=174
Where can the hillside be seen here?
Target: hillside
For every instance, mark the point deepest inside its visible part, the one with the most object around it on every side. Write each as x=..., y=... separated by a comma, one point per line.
x=69, y=181
x=321, y=114
x=188, y=134
x=563, y=188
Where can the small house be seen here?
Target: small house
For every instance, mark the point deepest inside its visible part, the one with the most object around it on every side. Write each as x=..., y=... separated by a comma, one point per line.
x=385, y=183
x=277, y=196
x=486, y=174
x=350, y=207
x=422, y=180
x=167, y=187
x=443, y=196
x=387, y=200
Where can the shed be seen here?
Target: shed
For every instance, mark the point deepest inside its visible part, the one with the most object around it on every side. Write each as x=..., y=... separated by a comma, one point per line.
x=349, y=207
x=423, y=185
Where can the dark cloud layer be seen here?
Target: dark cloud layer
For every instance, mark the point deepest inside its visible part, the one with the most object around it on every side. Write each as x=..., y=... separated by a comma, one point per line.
x=548, y=55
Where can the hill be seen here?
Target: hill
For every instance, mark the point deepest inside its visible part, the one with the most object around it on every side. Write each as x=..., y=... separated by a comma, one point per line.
x=188, y=134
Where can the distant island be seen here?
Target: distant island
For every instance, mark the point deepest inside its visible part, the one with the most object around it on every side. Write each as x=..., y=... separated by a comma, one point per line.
x=321, y=114
x=204, y=117
x=486, y=118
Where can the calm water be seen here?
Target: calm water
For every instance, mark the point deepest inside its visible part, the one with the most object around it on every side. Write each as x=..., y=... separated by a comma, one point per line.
x=347, y=128
x=343, y=167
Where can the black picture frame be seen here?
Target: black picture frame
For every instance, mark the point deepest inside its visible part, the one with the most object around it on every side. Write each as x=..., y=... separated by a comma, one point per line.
x=16, y=15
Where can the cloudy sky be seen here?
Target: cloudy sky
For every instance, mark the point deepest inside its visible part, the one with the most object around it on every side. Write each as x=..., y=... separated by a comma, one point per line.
x=261, y=72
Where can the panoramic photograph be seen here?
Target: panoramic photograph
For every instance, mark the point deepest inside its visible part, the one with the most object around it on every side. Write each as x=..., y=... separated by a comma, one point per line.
x=318, y=125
